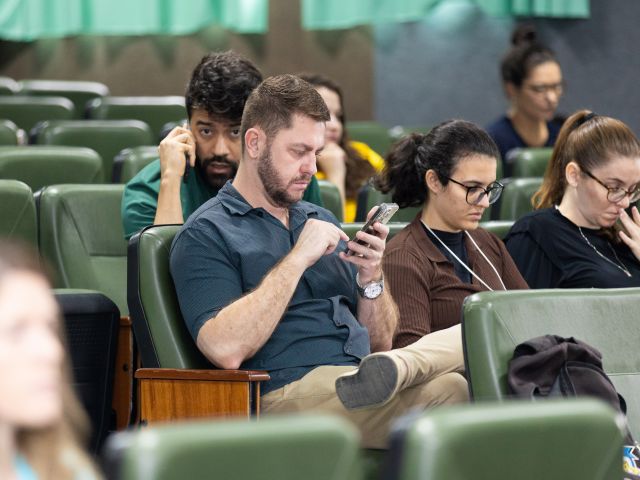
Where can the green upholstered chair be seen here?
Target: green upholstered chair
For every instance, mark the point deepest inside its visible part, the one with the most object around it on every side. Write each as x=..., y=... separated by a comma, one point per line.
x=497, y=227
x=8, y=133
x=130, y=161
x=107, y=137
x=18, y=212
x=369, y=197
x=154, y=111
x=79, y=92
x=394, y=228
x=516, y=197
x=81, y=236
x=331, y=198
x=529, y=162
x=8, y=86
x=167, y=352
x=26, y=111
x=495, y=322
x=554, y=440
x=371, y=133
x=278, y=448
x=39, y=166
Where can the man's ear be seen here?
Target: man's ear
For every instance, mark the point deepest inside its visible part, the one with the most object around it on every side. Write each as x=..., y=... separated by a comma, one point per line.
x=572, y=173
x=254, y=139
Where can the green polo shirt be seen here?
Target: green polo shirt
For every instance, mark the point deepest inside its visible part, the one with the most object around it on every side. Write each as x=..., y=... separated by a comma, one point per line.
x=140, y=199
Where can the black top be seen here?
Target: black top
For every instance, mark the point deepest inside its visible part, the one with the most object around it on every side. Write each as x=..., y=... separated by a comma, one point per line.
x=455, y=241
x=550, y=252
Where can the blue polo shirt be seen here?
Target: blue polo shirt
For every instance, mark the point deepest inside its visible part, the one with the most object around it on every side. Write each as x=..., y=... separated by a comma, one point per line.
x=226, y=248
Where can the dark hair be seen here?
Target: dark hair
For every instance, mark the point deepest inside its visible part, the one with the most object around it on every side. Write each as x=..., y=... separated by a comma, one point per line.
x=525, y=54
x=220, y=84
x=590, y=141
x=272, y=105
x=440, y=150
x=359, y=170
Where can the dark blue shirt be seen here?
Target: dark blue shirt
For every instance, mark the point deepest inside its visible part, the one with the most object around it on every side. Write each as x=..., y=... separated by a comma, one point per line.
x=226, y=248
x=506, y=137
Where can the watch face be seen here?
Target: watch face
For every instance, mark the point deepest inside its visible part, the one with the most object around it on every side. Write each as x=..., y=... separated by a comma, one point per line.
x=373, y=290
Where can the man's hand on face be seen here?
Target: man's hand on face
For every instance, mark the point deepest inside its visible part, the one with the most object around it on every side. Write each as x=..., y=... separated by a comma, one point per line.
x=368, y=257
x=172, y=150
x=317, y=238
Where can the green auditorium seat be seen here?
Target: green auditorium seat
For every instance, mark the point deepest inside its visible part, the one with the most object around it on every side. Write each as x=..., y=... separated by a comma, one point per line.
x=154, y=111
x=81, y=236
x=331, y=198
x=177, y=381
x=39, y=166
x=276, y=448
x=529, y=162
x=8, y=86
x=552, y=440
x=107, y=137
x=394, y=228
x=79, y=92
x=368, y=197
x=18, y=212
x=516, y=197
x=497, y=227
x=371, y=133
x=495, y=322
x=130, y=161
x=8, y=133
x=27, y=111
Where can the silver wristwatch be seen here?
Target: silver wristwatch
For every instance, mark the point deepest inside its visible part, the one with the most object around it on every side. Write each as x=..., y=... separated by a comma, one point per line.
x=371, y=290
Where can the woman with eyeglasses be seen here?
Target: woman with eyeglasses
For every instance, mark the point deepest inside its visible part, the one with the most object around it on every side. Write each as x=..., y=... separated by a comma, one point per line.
x=580, y=234
x=442, y=256
x=533, y=84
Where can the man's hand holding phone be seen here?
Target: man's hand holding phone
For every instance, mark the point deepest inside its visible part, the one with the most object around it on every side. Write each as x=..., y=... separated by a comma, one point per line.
x=177, y=153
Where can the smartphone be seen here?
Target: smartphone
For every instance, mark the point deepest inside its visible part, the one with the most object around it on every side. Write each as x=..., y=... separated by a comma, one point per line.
x=383, y=214
x=187, y=167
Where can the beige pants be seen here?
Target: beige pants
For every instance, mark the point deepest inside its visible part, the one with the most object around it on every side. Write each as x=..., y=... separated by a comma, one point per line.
x=432, y=379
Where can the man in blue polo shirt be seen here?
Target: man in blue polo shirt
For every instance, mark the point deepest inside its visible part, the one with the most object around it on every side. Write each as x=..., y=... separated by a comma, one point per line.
x=160, y=193
x=264, y=283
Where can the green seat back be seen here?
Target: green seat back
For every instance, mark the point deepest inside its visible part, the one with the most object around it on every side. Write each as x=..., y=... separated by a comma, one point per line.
x=530, y=162
x=79, y=92
x=394, y=228
x=107, y=137
x=18, y=212
x=154, y=111
x=39, y=166
x=161, y=334
x=371, y=133
x=497, y=227
x=516, y=197
x=553, y=440
x=8, y=86
x=8, y=133
x=130, y=161
x=369, y=197
x=331, y=198
x=495, y=322
x=81, y=236
x=26, y=111
x=275, y=448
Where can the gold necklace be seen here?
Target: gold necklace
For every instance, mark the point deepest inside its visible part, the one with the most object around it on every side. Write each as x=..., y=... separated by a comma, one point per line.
x=620, y=266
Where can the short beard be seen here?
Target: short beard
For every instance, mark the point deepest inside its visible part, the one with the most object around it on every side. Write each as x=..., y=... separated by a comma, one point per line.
x=216, y=181
x=272, y=182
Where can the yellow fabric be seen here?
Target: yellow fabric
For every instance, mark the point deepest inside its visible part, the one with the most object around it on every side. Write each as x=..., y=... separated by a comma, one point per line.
x=375, y=160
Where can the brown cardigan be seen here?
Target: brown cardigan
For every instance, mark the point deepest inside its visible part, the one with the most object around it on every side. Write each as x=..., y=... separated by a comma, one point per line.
x=424, y=285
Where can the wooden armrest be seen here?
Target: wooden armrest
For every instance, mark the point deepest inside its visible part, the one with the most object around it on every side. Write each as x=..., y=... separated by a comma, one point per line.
x=123, y=375
x=168, y=394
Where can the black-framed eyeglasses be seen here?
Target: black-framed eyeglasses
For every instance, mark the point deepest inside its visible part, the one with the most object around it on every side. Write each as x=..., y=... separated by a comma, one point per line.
x=476, y=193
x=616, y=194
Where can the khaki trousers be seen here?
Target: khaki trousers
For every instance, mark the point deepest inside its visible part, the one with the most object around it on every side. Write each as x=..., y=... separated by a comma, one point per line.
x=432, y=378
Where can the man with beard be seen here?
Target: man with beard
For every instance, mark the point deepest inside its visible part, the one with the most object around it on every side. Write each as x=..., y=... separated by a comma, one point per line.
x=264, y=282
x=215, y=97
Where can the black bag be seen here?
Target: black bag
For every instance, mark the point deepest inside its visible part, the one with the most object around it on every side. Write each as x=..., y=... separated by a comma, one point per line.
x=553, y=366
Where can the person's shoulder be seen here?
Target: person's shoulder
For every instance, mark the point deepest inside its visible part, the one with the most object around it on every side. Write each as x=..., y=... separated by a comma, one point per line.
x=369, y=154
x=535, y=223
x=149, y=174
x=499, y=126
x=406, y=240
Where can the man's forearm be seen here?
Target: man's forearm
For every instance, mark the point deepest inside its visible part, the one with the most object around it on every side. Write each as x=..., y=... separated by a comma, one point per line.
x=169, y=209
x=243, y=327
x=380, y=316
